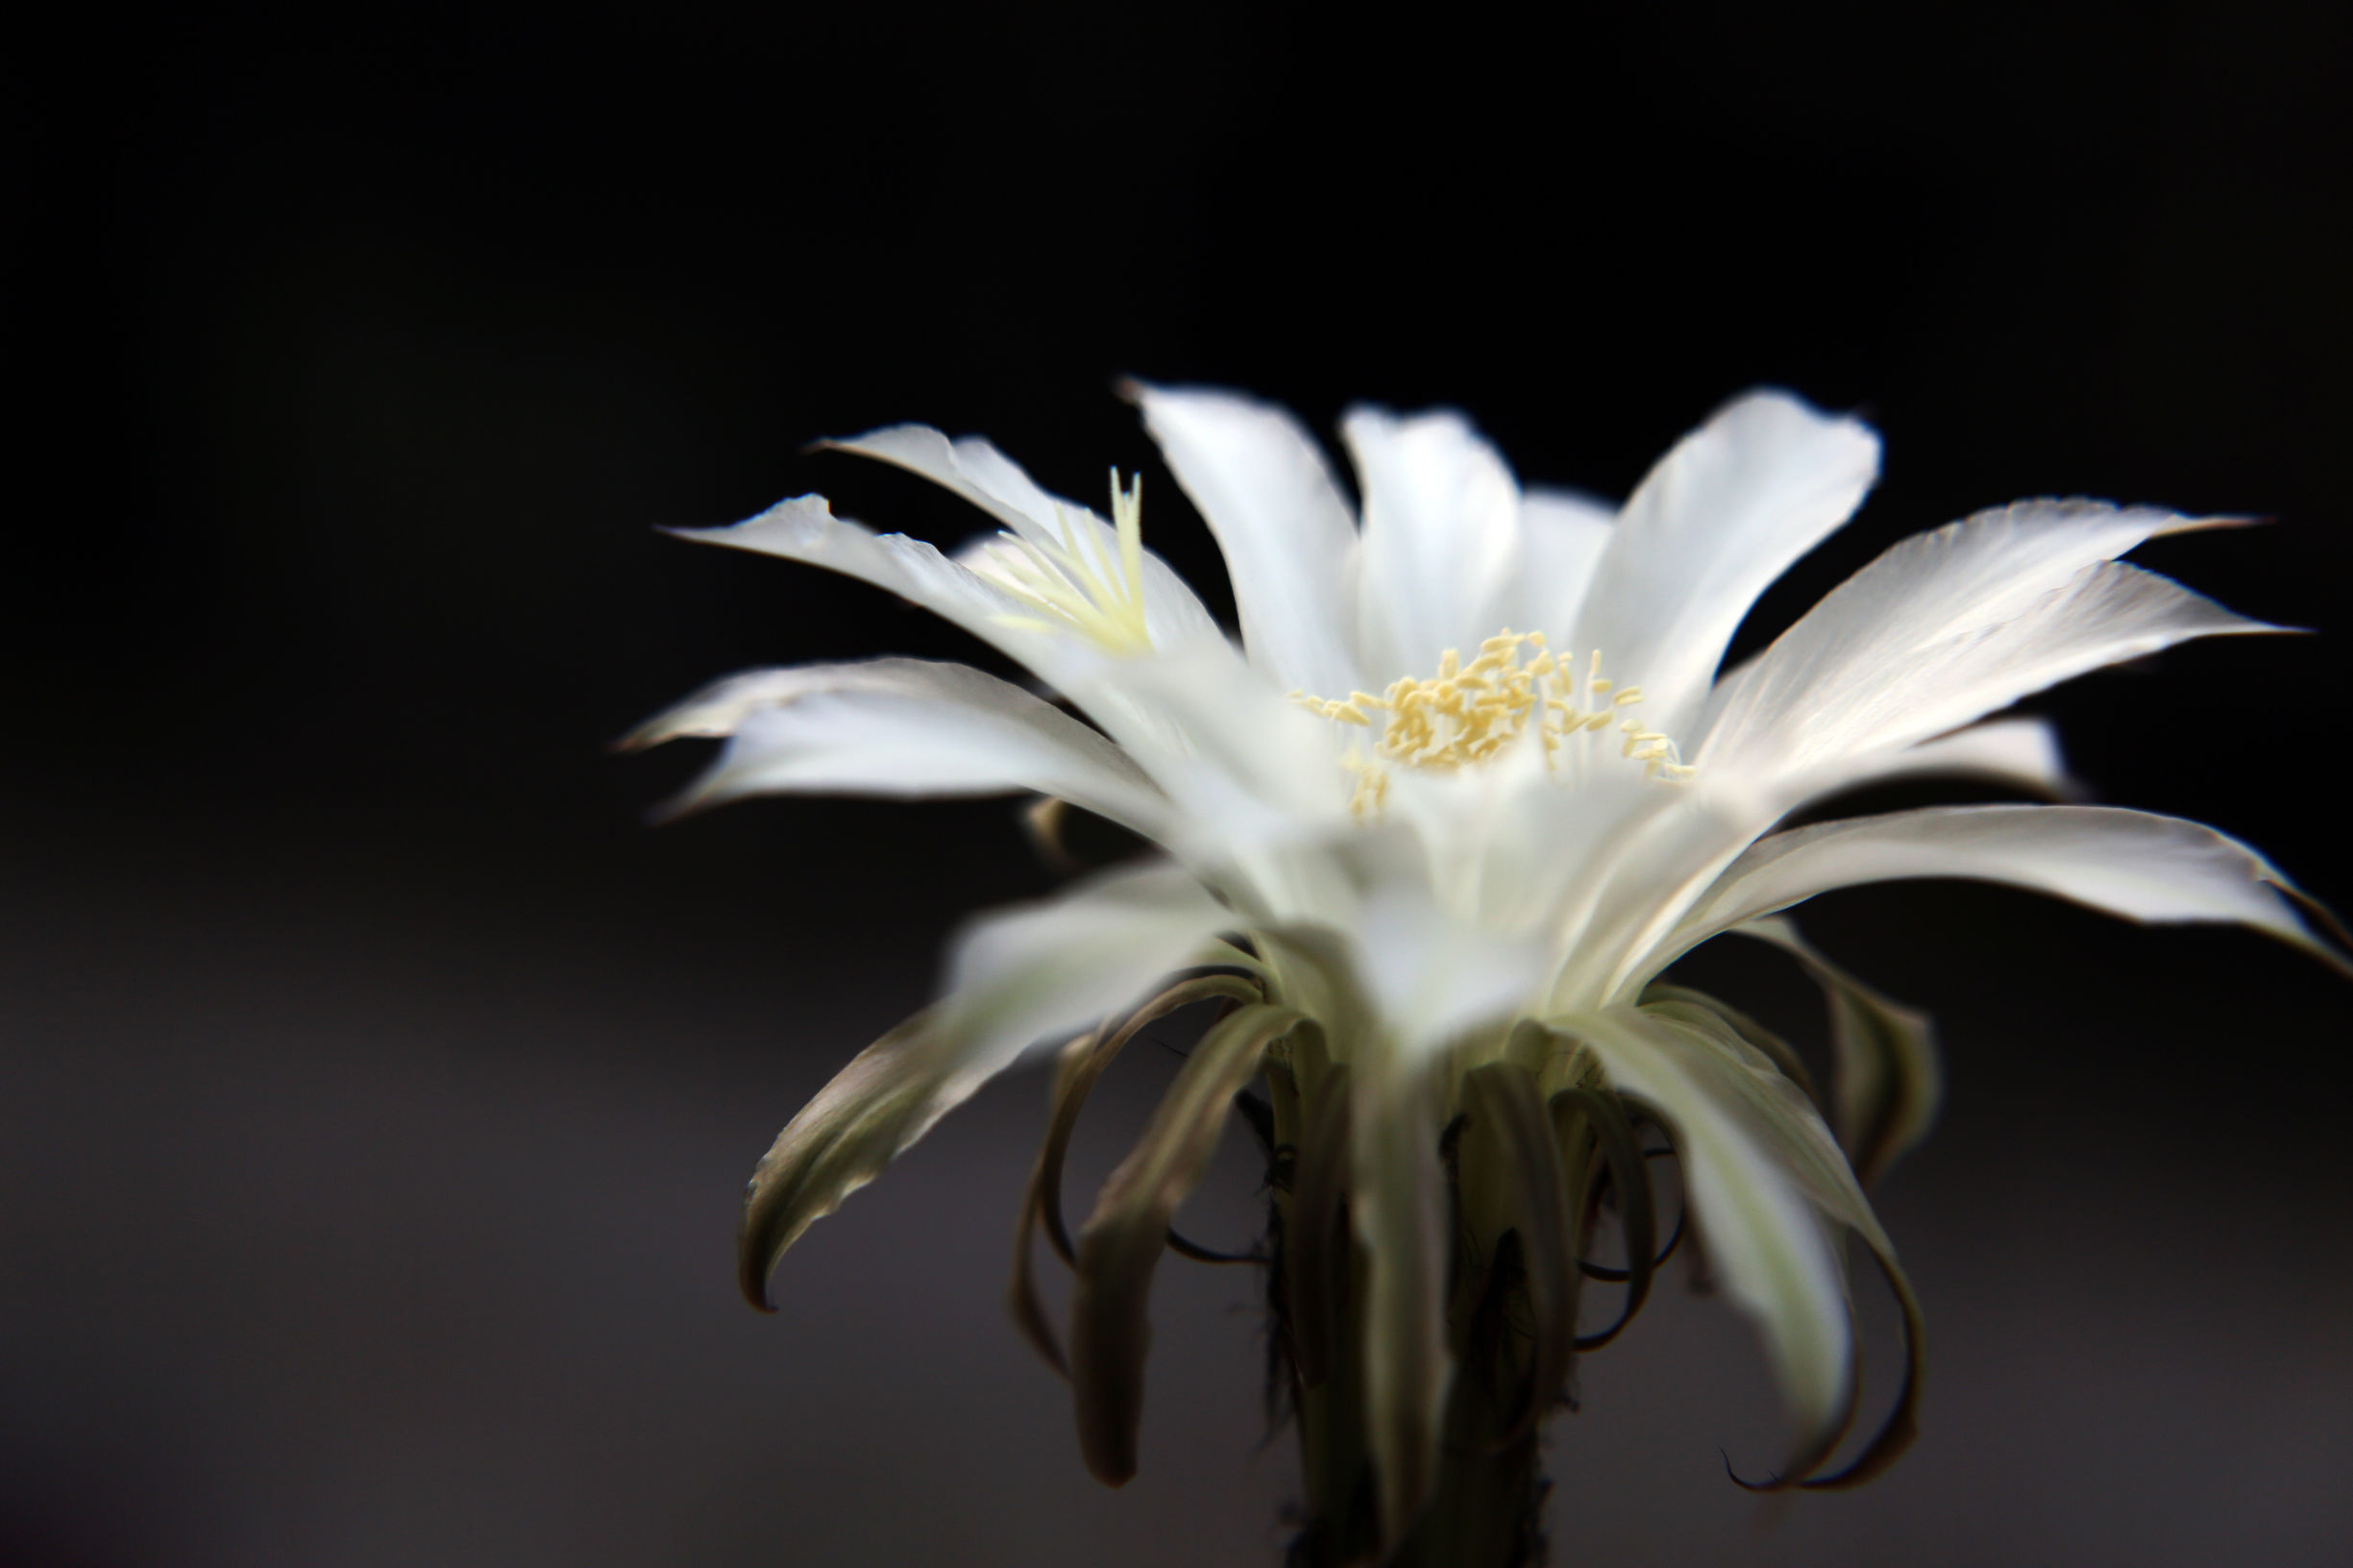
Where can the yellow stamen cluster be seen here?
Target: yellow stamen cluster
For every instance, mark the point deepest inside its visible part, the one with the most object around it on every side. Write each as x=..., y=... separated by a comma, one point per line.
x=1073, y=583
x=1468, y=713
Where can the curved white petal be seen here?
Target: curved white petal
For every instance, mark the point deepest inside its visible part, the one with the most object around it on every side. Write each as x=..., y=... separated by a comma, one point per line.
x=1752, y=1177
x=1441, y=527
x=1655, y=859
x=972, y=467
x=1561, y=538
x=2018, y=752
x=2132, y=864
x=2021, y=754
x=1953, y=623
x=1511, y=843
x=901, y=728
x=1641, y=859
x=1016, y=976
x=1289, y=542
x=1433, y=975
x=1723, y=515
x=1031, y=972
x=804, y=528
x=1242, y=759
x=975, y=470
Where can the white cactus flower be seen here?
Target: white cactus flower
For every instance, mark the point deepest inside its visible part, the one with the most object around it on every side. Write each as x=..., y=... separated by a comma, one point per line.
x=1469, y=782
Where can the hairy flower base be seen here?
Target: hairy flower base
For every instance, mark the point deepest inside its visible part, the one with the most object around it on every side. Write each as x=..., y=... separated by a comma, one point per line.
x=1530, y=1149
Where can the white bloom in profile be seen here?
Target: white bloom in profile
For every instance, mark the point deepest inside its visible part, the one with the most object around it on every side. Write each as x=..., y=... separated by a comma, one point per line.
x=1471, y=779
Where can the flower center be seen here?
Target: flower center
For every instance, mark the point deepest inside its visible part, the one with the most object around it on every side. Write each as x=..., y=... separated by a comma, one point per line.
x=1469, y=713
x=1073, y=581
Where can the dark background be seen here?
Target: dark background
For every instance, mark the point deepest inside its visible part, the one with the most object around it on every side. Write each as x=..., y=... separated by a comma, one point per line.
x=375, y=1088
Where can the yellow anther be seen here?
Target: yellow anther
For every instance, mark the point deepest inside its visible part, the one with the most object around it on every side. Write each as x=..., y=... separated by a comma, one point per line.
x=1469, y=714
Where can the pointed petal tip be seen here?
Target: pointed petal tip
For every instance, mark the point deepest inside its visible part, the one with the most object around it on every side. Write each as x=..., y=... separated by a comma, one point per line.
x=2245, y=626
x=664, y=813
x=859, y=445
x=1139, y=391
x=927, y=451
x=644, y=736
x=810, y=503
x=1784, y=401
x=2330, y=942
x=753, y=1262
x=2188, y=523
x=1113, y=1466
x=1156, y=400
x=751, y=1280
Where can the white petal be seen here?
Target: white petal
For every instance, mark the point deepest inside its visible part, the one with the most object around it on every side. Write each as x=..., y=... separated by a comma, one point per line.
x=1650, y=872
x=1281, y=521
x=804, y=528
x=1561, y=538
x=2132, y=864
x=1441, y=524
x=1746, y=1083
x=1659, y=856
x=1026, y=974
x=1720, y=517
x=903, y=727
x=975, y=470
x=1477, y=826
x=1767, y=1244
x=1018, y=976
x=972, y=468
x=1432, y=976
x=1232, y=751
x=1954, y=624
x=2021, y=754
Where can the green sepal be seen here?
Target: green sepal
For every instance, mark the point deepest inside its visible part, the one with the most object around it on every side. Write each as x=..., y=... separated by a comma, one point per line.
x=1580, y=1115
x=1316, y=1244
x=1122, y=1241
x=1076, y=1069
x=1674, y=1000
x=1399, y=1210
x=886, y=1098
x=1890, y=1077
x=1505, y=1111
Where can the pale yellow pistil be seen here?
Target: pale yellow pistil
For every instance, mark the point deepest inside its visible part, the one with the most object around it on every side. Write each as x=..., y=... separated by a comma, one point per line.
x=1074, y=584
x=1470, y=712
